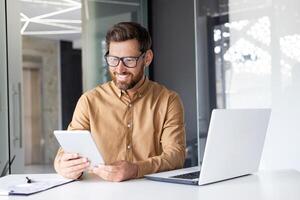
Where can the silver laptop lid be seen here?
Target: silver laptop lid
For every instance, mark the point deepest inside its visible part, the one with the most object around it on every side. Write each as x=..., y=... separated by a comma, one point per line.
x=234, y=143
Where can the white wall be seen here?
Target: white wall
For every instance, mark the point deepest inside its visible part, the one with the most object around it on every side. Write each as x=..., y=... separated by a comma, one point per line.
x=272, y=79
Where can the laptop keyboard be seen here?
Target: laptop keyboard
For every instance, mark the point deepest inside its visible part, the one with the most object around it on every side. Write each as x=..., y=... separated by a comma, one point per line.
x=191, y=175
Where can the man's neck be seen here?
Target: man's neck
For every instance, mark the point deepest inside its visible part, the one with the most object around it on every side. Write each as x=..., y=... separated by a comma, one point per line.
x=133, y=90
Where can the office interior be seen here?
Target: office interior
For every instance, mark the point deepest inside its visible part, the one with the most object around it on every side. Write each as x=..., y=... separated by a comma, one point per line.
x=213, y=53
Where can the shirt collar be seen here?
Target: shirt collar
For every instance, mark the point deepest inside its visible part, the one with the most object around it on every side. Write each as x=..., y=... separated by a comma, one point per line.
x=139, y=91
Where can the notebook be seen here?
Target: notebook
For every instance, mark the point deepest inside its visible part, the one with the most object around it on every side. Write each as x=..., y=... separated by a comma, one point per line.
x=233, y=148
x=18, y=184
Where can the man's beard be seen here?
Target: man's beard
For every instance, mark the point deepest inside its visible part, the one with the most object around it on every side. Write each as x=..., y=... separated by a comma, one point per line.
x=127, y=85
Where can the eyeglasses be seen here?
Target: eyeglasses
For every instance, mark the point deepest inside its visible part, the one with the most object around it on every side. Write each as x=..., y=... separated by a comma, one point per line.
x=130, y=61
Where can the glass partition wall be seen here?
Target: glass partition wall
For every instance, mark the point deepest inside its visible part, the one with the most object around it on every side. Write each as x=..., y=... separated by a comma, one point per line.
x=31, y=69
x=263, y=71
x=4, y=144
x=253, y=62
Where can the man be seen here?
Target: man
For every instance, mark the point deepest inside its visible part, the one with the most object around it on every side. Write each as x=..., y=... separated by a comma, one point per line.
x=137, y=124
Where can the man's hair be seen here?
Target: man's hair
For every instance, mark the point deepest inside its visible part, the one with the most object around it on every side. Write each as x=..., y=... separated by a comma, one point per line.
x=126, y=31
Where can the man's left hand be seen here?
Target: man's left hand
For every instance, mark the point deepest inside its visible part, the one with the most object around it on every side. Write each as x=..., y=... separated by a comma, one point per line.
x=118, y=171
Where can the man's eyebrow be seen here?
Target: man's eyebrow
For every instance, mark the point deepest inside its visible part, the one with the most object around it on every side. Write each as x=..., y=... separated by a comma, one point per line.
x=124, y=56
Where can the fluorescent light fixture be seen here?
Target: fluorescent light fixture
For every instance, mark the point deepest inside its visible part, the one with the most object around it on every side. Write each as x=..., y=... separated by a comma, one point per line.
x=55, y=3
x=50, y=32
x=119, y=2
x=66, y=21
x=70, y=5
x=24, y=27
x=57, y=12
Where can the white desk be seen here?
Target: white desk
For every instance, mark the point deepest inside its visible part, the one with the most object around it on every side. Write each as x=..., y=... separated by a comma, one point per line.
x=276, y=185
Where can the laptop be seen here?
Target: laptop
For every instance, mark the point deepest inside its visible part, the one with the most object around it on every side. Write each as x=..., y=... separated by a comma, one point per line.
x=233, y=148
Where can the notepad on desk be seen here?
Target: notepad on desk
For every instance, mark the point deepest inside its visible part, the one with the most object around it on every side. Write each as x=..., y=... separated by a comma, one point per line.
x=17, y=184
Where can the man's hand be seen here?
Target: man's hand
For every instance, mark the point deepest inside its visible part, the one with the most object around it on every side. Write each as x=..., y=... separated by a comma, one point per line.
x=71, y=165
x=118, y=171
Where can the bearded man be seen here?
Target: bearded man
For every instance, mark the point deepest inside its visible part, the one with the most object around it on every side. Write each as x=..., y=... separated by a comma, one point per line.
x=137, y=124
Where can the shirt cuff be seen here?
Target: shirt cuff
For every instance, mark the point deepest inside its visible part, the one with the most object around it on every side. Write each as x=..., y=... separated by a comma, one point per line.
x=144, y=167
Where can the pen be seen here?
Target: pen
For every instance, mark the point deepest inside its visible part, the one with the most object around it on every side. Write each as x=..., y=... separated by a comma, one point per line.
x=29, y=180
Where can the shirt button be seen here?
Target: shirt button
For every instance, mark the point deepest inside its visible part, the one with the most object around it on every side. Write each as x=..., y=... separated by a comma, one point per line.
x=129, y=125
x=128, y=147
x=140, y=95
x=130, y=105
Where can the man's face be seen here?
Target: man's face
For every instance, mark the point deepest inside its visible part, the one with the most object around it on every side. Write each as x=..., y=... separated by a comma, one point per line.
x=126, y=78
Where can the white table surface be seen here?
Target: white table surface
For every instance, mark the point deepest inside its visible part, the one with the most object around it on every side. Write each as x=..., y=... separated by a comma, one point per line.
x=267, y=185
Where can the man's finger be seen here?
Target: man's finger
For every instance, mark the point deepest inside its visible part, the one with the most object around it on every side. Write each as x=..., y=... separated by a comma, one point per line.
x=73, y=175
x=109, y=172
x=69, y=156
x=108, y=168
x=73, y=171
x=111, y=168
x=75, y=162
x=82, y=167
x=106, y=175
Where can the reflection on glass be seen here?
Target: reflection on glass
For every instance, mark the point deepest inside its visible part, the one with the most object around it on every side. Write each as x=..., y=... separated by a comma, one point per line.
x=260, y=30
x=290, y=46
x=243, y=66
x=244, y=70
x=44, y=24
x=3, y=95
x=245, y=57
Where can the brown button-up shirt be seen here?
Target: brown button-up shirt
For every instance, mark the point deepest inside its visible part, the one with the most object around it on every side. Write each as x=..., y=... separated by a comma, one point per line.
x=147, y=130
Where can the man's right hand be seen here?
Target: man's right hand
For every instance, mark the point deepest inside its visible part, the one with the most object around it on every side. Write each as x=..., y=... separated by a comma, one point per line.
x=70, y=165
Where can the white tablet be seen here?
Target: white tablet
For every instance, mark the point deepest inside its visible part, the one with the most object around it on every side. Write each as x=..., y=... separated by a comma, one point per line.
x=80, y=142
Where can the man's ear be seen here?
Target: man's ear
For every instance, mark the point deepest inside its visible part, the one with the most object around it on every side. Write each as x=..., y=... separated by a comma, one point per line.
x=148, y=57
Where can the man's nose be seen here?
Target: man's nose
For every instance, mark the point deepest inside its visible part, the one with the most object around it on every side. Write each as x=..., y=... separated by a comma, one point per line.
x=121, y=67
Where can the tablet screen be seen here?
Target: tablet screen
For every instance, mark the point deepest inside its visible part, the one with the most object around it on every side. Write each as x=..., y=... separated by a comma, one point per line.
x=81, y=142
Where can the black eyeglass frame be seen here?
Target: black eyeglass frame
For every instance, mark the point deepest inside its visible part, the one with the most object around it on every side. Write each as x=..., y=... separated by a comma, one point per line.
x=122, y=59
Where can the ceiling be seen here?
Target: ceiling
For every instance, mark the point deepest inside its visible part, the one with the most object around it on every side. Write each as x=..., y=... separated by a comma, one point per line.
x=53, y=19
